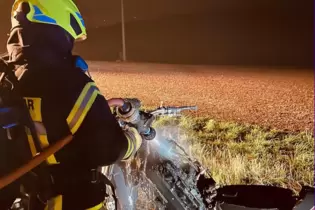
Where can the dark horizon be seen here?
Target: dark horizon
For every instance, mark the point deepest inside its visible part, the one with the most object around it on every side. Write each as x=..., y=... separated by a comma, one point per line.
x=262, y=33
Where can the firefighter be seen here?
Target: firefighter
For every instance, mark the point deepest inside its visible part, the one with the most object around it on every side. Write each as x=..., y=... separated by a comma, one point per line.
x=62, y=99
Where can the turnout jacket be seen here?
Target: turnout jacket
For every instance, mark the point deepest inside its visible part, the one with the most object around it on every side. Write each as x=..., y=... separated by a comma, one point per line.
x=66, y=101
x=63, y=100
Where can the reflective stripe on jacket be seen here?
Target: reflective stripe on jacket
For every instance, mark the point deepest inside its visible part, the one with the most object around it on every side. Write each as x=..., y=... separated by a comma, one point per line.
x=74, y=119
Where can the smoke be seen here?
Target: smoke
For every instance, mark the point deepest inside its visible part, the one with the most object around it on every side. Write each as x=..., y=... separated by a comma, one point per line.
x=163, y=146
x=162, y=143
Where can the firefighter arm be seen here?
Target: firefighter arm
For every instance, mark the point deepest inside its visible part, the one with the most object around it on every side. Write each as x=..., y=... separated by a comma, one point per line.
x=134, y=142
x=133, y=137
x=100, y=139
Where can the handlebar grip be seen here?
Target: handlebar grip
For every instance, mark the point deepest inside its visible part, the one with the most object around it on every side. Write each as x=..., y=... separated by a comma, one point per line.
x=194, y=108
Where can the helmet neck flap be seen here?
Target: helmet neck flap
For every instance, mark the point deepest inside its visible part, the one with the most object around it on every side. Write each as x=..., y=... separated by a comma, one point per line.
x=39, y=45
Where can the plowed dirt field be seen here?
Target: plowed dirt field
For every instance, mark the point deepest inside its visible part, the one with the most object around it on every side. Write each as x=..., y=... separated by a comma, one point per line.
x=282, y=99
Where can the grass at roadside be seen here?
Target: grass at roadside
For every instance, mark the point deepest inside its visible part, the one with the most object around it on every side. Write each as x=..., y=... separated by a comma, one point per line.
x=248, y=154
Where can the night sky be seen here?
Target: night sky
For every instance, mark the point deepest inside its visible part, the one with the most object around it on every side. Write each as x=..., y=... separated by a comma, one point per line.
x=105, y=12
x=244, y=16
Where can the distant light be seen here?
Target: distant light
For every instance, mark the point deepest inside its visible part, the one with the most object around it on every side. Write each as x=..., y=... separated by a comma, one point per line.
x=135, y=17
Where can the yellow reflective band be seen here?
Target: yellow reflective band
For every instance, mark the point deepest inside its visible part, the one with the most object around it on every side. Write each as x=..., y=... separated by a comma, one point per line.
x=84, y=112
x=130, y=147
x=31, y=141
x=43, y=139
x=34, y=107
x=40, y=128
x=78, y=102
x=41, y=133
x=32, y=145
x=82, y=106
x=97, y=207
x=54, y=203
x=74, y=120
x=44, y=144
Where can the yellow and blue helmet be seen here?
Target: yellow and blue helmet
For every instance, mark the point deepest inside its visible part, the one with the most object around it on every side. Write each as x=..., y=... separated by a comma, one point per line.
x=63, y=13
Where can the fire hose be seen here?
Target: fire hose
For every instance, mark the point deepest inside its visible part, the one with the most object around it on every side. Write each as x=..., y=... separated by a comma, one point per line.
x=41, y=157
